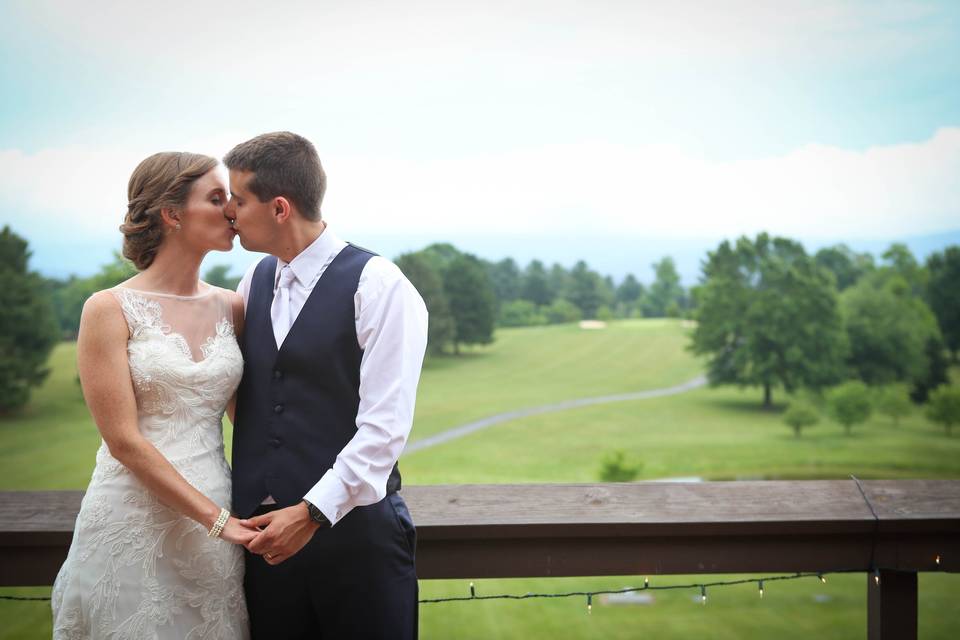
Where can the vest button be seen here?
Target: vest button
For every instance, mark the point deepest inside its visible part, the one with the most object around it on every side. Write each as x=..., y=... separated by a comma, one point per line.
x=277, y=374
x=278, y=408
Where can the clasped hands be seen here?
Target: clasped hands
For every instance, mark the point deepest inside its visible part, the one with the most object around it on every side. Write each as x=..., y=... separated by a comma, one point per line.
x=276, y=535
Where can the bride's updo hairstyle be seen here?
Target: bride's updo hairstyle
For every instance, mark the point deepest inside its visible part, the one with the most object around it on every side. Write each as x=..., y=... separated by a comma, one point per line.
x=162, y=181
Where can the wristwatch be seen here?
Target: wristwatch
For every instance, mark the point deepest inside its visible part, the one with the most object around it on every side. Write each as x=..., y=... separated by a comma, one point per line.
x=316, y=515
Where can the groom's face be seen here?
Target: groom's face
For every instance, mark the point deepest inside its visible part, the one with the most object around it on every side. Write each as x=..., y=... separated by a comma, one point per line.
x=252, y=219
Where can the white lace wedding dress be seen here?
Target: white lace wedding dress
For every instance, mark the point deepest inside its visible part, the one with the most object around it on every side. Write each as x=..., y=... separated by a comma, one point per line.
x=136, y=568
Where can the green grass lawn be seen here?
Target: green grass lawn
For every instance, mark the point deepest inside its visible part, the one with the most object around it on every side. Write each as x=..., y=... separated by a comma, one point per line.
x=712, y=433
x=534, y=366
x=716, y=434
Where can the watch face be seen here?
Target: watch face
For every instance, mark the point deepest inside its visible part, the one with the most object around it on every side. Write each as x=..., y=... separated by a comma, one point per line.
x=315, y=514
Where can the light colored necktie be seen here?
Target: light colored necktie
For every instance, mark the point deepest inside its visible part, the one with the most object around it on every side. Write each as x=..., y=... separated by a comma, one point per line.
x=280, y=310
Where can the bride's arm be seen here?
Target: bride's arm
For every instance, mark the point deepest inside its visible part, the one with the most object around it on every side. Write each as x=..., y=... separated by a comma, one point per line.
x=236, y=302
x=108, y=391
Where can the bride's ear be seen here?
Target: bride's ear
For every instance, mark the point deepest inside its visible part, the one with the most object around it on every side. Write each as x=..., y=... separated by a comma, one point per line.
x=171, y=219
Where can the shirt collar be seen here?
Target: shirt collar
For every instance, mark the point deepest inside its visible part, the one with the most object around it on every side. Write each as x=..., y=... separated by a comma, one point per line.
x=308, y=264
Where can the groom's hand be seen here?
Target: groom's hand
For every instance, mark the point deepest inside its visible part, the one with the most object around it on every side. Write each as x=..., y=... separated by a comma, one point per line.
x=284, y=532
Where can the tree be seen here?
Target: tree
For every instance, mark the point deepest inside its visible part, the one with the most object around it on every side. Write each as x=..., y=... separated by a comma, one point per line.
x=943, y=295
x=505, y=279
x=936, y=373
x=768, y=315
x=520, y=313
x=887, y=330
x=944, y=407
x=69, y=297
x=846, y=265
x=850, y=404
x=562, y=311
x=426, y=280
x=613, y=468
x=535, y=285
x=559, y=279
x=800, y=415
x=587, y=290
x=28, y=326
x=901, y=262
x=893, y=401
x=665, y=296
x=628, y=294
x=472, y=301
x=219, y=276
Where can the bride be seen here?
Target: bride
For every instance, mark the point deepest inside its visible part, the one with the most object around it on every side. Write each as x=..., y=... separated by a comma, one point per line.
x=155, y=552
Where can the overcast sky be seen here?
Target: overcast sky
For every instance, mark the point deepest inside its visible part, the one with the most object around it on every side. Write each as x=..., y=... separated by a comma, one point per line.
x=650, y=120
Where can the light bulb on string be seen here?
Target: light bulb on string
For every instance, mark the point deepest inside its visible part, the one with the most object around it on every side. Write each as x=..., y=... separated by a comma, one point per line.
x=937, y=559
x=473, y=592
x=876, y=576
x=703, y=594
x=761, y=588
x=646, y=582
x=822, y=579
x=589, y=603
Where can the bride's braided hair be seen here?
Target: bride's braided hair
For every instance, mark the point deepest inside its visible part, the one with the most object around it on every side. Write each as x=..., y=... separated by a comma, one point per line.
x=161, y=181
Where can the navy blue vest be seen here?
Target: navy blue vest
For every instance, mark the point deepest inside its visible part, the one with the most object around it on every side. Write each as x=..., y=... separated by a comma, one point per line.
x=297, y=407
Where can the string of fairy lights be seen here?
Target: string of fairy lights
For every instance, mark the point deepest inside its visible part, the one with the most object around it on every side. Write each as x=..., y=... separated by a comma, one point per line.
x=589, y=595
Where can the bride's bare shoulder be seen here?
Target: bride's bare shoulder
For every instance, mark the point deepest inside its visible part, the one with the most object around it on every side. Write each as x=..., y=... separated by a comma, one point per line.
x=102, y=311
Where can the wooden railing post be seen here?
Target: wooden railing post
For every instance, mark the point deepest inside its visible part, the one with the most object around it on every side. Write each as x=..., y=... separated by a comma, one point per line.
x=892, y=605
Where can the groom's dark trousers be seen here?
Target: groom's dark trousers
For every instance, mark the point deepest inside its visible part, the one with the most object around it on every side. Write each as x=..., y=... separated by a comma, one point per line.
x=296, y=410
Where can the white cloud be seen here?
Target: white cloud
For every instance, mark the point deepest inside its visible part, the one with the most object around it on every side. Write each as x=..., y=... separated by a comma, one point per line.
x=816, y=191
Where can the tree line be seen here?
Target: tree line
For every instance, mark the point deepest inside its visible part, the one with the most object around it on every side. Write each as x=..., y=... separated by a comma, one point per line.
x=468, y=297
x=770, y=315
x=767, y=313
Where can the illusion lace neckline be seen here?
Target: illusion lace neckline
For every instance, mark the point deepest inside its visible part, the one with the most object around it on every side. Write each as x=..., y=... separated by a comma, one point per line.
x=202, y=294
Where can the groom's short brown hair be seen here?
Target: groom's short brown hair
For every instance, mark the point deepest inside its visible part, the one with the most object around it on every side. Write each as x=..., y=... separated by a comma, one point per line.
x=283, y=164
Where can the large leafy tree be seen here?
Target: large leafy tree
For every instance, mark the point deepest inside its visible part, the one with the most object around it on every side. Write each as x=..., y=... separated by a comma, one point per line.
x=428, y=282
x=768, y=315
x=888, y=330
x=628, y=294
x=846, y=265
x=943, y=294
x=28, y=326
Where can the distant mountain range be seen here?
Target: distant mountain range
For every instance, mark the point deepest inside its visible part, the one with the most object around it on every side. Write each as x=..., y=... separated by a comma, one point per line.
x=609, y=254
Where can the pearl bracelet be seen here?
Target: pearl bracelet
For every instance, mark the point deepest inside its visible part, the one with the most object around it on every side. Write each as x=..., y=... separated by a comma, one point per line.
x=217, y=527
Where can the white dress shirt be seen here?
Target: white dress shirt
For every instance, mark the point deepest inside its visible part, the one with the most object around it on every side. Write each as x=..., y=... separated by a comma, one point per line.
x=391, y=322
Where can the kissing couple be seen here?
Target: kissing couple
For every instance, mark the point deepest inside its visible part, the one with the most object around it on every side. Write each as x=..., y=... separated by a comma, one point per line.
x=315, y=359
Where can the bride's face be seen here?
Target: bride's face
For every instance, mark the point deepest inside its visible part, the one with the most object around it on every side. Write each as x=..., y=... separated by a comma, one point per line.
x=203, y=224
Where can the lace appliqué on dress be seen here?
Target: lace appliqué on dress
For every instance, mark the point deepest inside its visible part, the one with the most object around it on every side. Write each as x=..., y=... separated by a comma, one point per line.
x=137, y=569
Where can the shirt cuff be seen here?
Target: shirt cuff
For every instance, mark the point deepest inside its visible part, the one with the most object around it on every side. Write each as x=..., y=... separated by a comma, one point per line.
x=331, y=496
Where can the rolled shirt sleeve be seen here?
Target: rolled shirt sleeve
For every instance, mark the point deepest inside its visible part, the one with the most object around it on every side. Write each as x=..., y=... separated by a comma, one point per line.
x=391, y=326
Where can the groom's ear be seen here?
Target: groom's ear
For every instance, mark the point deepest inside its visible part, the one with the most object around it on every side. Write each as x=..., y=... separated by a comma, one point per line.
x=282, y=209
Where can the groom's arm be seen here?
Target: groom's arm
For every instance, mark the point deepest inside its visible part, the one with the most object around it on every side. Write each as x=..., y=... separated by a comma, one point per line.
x=392, y=332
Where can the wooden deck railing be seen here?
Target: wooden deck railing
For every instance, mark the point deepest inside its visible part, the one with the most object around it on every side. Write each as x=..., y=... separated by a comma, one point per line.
x=900, y=527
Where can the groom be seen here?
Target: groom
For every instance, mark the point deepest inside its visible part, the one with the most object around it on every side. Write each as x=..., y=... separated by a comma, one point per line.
x=333, y=342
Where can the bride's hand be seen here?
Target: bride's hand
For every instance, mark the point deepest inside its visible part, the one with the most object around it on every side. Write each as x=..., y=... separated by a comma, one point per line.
x=236, y=533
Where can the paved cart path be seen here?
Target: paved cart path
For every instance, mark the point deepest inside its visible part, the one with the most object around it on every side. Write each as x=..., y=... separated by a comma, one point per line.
x=483, y=423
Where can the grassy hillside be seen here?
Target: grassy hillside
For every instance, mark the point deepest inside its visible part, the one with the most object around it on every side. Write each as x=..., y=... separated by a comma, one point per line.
x=715, y=434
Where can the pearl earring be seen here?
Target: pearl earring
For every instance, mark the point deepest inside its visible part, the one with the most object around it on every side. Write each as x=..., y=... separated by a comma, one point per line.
x=177, y=227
